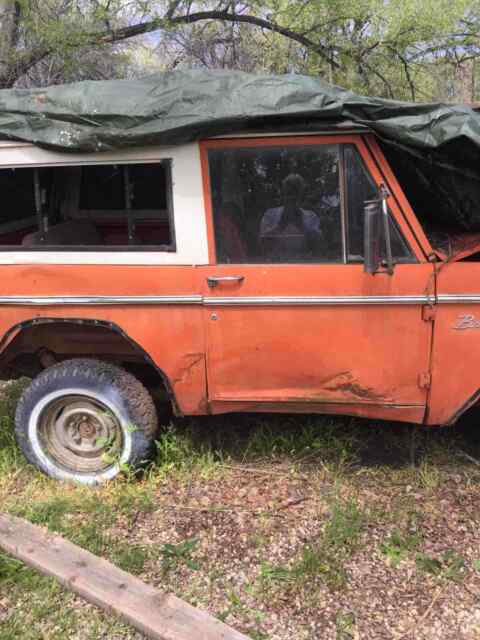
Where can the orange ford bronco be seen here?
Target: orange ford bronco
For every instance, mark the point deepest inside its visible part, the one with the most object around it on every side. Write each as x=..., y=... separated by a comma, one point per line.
x=257, y=272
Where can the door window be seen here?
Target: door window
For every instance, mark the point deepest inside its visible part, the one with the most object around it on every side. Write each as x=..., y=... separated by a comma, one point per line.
x=292, y=204
x=278, y=204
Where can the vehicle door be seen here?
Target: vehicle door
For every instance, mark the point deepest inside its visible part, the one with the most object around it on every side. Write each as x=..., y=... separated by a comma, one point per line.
x=293, y=321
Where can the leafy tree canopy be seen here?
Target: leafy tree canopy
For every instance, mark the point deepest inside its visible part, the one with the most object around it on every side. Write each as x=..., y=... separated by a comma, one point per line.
x=412, y=49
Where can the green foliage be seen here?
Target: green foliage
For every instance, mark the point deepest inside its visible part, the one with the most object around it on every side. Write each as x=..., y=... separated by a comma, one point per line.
x=409, y=49
x=324, y=558
x=343, y=529
x=11, y=459
x=345, y=626
x=450, y=565
x=130, y=557
x=398, y=546
x=174, y=555
x=14, y=572
x=396, y=49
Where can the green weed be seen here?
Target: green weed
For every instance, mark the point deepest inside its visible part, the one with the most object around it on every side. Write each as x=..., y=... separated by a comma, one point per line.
x=15, y=573
x=345, y=625
x=324, y=558
x=344, y=527
x=173, y=555
x=177, y=450
x=398, y=546
x=429, y=475
x=130, y=557
x=240, y=610
x=450, y=565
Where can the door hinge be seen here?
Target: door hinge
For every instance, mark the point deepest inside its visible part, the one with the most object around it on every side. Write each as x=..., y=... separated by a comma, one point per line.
x=424, y=380
x=428, y=313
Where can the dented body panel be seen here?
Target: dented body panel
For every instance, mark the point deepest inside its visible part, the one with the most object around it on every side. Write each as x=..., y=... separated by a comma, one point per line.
x=321, y=346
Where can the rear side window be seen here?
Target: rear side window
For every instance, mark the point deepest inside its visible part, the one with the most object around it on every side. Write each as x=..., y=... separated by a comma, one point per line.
x=89, y=207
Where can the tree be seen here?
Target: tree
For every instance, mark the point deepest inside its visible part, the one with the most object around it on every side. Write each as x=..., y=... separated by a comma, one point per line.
x=397, y=48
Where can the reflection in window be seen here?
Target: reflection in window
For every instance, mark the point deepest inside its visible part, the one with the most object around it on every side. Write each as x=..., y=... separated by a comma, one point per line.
x=278, y=204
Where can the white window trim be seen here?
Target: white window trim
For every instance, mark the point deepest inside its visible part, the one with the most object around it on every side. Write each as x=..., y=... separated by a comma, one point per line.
x=188, y=205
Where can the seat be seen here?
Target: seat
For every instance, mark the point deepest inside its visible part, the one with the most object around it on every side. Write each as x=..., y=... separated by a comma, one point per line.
x=72, y=232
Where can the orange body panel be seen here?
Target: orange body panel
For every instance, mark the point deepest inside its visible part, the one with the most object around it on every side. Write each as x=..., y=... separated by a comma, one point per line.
x=330, y=354
x=325, y=338
x=172, y=335
x=456, y=345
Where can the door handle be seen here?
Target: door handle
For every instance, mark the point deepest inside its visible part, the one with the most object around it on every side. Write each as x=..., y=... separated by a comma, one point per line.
x=213, y=281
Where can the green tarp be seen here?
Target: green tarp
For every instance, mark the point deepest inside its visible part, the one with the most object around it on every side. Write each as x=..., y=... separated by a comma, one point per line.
x=434, y=148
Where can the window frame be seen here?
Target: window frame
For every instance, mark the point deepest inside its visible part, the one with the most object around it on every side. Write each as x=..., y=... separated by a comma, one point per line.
x=375, y=164
x=345, y=214
x=83, y=214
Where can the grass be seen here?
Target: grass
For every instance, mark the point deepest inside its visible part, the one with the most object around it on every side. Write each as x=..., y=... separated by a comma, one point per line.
x=323, y=558
x=206, y=521
x=399, y=545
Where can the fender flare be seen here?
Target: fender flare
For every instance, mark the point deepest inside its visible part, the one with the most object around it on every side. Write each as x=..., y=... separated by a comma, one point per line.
x=16, y=329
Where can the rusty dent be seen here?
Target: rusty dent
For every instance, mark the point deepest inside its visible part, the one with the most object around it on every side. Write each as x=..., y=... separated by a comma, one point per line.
x=346, y=383
x=190, y=376
x=190, y=360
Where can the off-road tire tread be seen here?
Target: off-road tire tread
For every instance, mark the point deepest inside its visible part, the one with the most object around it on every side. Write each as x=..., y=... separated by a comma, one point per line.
x=138, y=401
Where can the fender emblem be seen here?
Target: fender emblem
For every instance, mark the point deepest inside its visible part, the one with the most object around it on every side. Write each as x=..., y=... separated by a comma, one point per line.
x=467, y=322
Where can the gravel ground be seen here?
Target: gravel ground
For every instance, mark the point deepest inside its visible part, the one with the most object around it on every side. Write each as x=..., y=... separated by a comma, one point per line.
x=302, y=546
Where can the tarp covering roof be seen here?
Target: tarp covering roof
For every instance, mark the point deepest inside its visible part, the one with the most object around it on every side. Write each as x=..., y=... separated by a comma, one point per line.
x=434, y=147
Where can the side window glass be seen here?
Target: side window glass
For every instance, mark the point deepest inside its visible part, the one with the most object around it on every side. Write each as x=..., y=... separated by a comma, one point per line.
x=360, y=187
x=276, y=204
x=84, y=207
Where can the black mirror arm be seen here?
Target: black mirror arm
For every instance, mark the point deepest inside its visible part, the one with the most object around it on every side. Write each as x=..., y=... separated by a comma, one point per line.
x=386, y=226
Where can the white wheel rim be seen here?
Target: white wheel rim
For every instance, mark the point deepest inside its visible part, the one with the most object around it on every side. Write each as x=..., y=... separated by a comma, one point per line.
x=60, y=472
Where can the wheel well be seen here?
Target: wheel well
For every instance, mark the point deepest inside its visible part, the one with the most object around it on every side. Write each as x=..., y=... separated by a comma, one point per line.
x=39, y=343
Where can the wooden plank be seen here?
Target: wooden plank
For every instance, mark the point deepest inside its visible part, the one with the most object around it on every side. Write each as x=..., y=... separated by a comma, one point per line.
x=159, y=615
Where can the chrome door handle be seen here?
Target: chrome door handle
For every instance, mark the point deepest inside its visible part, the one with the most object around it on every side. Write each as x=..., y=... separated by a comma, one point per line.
x=213, y=281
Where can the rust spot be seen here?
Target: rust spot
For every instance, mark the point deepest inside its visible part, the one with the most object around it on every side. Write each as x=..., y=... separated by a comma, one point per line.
x=191, y=360
x=345, y=383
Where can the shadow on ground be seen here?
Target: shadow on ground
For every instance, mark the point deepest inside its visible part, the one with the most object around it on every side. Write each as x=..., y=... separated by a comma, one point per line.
x=310, y=439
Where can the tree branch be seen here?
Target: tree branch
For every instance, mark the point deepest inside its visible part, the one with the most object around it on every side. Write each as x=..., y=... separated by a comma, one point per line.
x=143, y=28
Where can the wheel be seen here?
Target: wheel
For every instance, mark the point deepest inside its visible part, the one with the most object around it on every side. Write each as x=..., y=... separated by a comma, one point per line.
x=82, y=420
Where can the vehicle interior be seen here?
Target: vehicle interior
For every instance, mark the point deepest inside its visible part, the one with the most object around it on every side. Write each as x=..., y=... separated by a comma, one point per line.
x=103, y=205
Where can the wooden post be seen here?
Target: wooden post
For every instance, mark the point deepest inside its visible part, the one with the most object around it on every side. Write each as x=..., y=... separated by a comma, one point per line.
x=159, y=615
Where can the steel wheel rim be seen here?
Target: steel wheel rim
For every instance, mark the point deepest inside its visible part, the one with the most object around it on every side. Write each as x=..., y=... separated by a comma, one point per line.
x=80, y=434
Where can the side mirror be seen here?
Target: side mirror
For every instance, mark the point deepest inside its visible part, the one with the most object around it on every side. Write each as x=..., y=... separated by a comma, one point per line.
x=372, y=235
x=377, y=220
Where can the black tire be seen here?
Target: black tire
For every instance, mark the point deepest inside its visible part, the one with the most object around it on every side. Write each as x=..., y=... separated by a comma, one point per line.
x=83, y=420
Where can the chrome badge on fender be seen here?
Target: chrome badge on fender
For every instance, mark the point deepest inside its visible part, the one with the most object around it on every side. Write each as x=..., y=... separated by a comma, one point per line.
x=467, y=322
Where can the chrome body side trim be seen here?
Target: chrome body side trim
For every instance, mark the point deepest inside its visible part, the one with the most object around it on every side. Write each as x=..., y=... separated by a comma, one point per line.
x=465, y=298
x=315, y=300
x=44, y=301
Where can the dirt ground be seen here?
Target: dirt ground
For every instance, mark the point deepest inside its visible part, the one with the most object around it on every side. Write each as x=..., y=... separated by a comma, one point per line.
x=284, y=527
